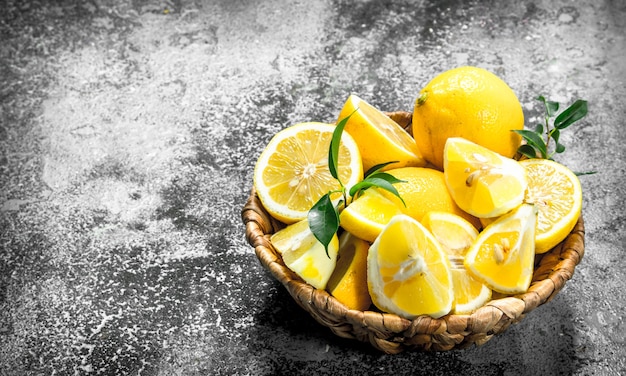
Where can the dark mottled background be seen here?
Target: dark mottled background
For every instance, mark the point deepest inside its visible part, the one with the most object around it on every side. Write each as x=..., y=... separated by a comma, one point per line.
x=128, y=135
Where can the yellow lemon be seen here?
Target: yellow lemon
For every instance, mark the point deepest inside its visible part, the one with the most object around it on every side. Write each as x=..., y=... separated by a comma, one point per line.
x=366, y=216
x=469, y=293
x=379, y=138
x=304, y=254
x=482, y=182
x=348, y=283
x=556, y=192
x=456, y=235
x=407, y=271
x=292, y=171
x=503, y=255
x=487, y=221
x=467, y=102
x=453, y=232
x=424, y=190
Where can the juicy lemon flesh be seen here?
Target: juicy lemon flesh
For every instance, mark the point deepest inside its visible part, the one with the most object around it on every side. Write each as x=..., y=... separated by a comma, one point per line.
x=292, y=172
x=557, y=194
x=496, y=257
x=456, y=235
x=480, y=181
x=380, y=139
x=408, y=272
x=368, y=214
x=348, y=283
x=386, y=126
x=297, y=173
x=469, y=294
x=502, y=256
x=304, y=254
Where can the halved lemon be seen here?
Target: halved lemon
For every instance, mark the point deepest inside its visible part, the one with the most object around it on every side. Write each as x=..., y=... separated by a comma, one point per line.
x=482, y=182
x=292, y=172
x=380, y=139
x=348, y=283
x=556, y=192
x=456, y=236
x=503, y=255
x=408, y=272
x=368, y=214
x=304, y=254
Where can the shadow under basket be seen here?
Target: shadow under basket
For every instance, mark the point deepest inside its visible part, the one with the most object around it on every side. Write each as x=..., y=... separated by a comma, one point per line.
x=391, y=333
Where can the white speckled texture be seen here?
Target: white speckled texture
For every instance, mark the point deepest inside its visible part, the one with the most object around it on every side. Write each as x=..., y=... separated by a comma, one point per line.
x=128, y=135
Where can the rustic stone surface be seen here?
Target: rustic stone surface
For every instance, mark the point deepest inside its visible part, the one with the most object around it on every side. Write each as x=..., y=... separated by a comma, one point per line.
x=128, y=135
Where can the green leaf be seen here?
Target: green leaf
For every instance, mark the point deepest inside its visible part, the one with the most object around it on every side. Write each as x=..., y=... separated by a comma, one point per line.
x=555, y=134
x=585, y=173
x=570, y=115
x=551, y=107
x=335, y=142
x=371, y=181
x=559, y=148
x=539, y=128
x=527, y=150
x=377, y=168
x=383, y=182
x=388, y=177
x=533, y=139
x=323, y=220
x=361, y=186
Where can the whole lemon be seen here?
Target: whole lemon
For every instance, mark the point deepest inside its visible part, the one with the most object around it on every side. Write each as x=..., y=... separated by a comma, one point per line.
x=467, y=102
x=424, y=190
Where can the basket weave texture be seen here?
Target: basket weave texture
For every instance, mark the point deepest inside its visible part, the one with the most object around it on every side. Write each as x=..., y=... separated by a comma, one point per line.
x=391, y=333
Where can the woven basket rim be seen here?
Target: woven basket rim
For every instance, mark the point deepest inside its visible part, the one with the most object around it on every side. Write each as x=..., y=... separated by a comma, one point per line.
x=391, y=333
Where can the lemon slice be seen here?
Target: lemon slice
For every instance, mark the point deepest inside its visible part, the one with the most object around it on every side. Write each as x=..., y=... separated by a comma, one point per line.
x=348, y=283
x=292, y=172
x=456, y=235
x=368, y=214
x=482, y=182
x=304, y=254
x=556, y=192
x=380, y=139
x=408, y=272
x=503, y=255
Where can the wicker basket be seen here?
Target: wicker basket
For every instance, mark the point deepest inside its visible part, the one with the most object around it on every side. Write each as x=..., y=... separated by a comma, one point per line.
x=393, y=334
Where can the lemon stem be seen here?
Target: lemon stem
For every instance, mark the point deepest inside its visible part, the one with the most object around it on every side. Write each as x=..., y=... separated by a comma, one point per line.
x=422, y=98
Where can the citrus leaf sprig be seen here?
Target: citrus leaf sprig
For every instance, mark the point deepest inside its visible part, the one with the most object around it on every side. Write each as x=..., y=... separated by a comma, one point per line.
x=538, y=147
x=323, y=217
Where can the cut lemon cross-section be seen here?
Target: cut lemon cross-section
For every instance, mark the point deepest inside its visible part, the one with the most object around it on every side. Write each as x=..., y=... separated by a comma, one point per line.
x=304, y=254
x=456, y=235
x=408, y=272
x=380, y=139
x=482, y=182
x=292, y=172
x=556, y=192
x=503, y=255
x=368, y=214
